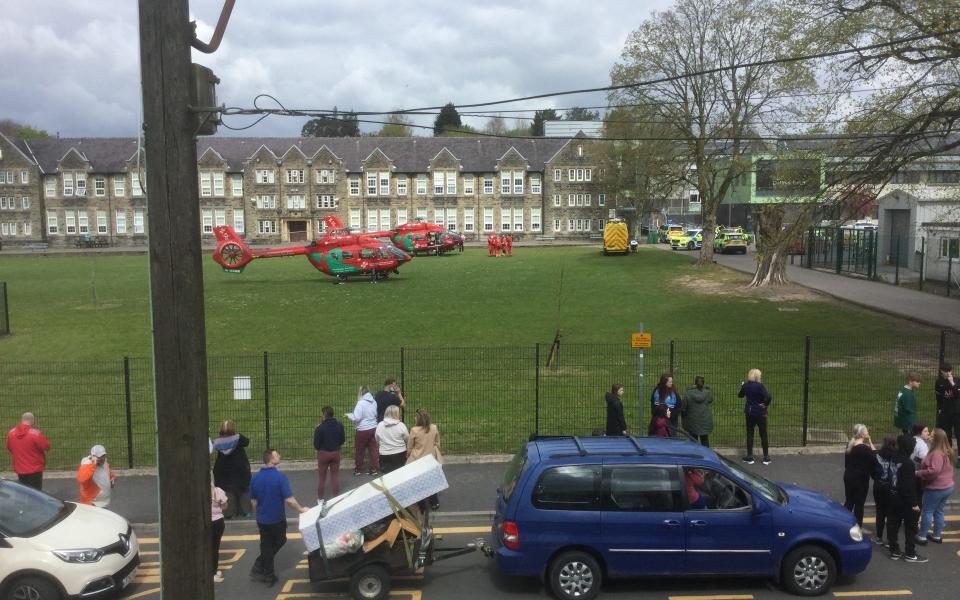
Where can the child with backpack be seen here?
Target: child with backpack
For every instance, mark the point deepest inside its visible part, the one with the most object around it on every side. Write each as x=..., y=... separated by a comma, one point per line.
x=884, y=476
x=904, y=504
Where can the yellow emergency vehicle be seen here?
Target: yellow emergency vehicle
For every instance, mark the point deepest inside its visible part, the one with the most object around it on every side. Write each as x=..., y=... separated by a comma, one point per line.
x=616, y=239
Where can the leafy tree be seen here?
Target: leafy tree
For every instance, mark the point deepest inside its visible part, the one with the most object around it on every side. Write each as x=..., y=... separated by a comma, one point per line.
x=397, y=125
x=714, y=116
x=547, y=114
x=578, y=113
x=12, y=128
x=336, y=125
x=448, y=118
x=522, y=129
x=495, y=126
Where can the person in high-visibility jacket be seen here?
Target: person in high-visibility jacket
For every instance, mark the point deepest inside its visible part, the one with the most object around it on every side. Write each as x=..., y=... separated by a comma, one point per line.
x=96, y=478
x=508, y=245
x=491, y=245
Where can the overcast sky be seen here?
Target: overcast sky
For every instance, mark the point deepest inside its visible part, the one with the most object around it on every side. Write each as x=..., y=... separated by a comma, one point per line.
x=73, y=66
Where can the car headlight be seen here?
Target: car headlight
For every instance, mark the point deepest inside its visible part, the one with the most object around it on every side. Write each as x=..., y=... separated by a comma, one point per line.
x=856, y=534
x=82, y=555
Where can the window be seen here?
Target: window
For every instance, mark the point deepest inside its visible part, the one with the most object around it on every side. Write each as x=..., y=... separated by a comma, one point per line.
x=372, y=219
x=950, y=248
x=266, y=202
x=556, y=175
x=205, y=187
x=505, y=182
x=589, y=174
x=451, y=219
x=5, y=229
x=371, y=184
x=384, y=218
x=944, y=177
x=556, y=199
x=81, y=185
x=570, y=224
x=574, y=487
x=27, y=228
x=505, y=221
x=321, y=227
x=52, y=222
x=326, y=201
x=468, y=185
x=206, y=220
x=402, y=185
x=71, y=222
x=119, y=186
x=451, y=183
x=99, y=186
x=518, y=182
x=601, y=223
x=717, y=491
x=135, y=188
x=488, y=219
x=267, y=227
x=297, y=202
x=571, y=174
x=238, y=222
x=534, y=219
x=571, y=199
x=579, y=150
x=556, y=224
x=101, y=221
x=421, y=185
x=264, y=176
x=488, y=185
x=421, y=214
x=121, y=219
x=294, y=175
x=468, y=219
x=535, y=183
x=218, y=185
x=83, y=223
x=384, y=183
x=401, y=216
x=643, y=489
x=354, y=185
x=601, y=199
x=236, y=185
x=49, y=187
x=518, y=219
x=438, y=216
x=138, y=221
x=25, y=202
x=588, y=225
x=586, y=199
x=355, y=218
x=326, y=176
x=68, y=184
x=24, y=178
x=219, y=217
x=438, y=180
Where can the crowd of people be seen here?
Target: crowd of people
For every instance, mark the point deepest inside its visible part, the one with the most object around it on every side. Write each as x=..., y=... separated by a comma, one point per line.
x=499, y=244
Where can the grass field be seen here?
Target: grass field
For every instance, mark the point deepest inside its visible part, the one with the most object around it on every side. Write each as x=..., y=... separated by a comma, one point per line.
x=468, y=325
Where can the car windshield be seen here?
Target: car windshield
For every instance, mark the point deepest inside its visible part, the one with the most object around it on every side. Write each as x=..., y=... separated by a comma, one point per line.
x=764, y=487
x=25, y=511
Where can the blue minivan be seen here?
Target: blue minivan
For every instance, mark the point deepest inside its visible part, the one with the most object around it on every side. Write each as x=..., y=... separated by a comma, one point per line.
x=578, y=510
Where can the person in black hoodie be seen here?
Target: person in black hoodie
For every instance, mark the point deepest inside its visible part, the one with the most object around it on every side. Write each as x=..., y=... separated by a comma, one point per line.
x=947, y=390
x=883, y=474
x=757, y=399
x=858, y=466
x=616, y=423
x=231, y=470
x=904, y=504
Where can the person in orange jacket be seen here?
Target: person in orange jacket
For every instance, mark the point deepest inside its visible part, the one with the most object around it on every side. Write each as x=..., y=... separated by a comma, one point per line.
x=508, y=244
x=96, y=478
x=491, y=244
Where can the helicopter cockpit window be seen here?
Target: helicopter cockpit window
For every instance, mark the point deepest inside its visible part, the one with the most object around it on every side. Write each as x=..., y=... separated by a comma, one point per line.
x=368, y=253
x=347, y=254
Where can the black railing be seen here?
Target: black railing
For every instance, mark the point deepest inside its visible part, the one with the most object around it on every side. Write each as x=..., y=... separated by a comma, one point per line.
x=485, y=400
x=4, y=310
x=843, y=250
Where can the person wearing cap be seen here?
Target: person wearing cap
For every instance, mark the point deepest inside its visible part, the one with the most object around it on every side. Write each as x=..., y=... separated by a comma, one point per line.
x=28, y=447
x=96, y=478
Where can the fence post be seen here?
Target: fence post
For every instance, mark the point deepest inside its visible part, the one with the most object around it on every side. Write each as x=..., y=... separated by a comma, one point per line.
x=536, y=389
x=923, y=260
x=896, y=276
x=266, y=399
x=403, y=380
x=671, y=357
x=6, y=307
x=838, y=249
x=809, y=251
x=949, y=269
x=943, y=348
x=806, y=389
x=127, y=403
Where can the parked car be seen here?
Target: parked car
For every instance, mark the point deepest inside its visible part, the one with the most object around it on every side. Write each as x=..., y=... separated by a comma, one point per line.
x=730, y=240
x=51, y=550
x=691, y=239
x=578, y=510
x=669, y=232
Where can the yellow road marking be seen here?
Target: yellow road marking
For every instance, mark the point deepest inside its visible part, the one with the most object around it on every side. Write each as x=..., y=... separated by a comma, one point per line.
x=296, y=536
x=411, y=594
x=873, y=520
x=873, y=594
x=142, y=594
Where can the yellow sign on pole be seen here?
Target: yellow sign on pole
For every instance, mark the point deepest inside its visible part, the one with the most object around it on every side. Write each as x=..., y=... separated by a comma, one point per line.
x=641, y=340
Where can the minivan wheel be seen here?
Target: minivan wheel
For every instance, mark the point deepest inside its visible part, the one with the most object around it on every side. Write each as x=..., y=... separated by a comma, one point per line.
x=808, y=571
x=575, y=575
x=34, y=588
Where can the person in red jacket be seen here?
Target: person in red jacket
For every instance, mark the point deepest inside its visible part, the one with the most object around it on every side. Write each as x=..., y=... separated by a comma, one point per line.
x=508, y=244
x=28, y=447
x=491, y=244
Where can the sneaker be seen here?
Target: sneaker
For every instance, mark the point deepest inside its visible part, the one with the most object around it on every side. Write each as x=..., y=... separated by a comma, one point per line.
x=878, y=540
x=935, y=540
x=357, y=473
x=749, y=460
x=766, y=460
x=271, y=580
x=373, y=473
x=218, y=577
x=915, y=558
x=920, y=541
x=895, y=555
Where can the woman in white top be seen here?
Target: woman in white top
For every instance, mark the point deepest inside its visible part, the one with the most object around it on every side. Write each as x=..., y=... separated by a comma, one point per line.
x=392, y=436
x=364, y=418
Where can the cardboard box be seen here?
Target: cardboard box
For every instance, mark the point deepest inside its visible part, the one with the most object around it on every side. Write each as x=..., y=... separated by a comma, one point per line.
x=364, y=505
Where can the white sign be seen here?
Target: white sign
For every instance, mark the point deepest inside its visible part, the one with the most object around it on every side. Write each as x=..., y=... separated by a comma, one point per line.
x=241, y=387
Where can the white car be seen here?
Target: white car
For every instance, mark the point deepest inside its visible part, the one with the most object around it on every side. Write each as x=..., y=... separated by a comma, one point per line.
x=50, y=549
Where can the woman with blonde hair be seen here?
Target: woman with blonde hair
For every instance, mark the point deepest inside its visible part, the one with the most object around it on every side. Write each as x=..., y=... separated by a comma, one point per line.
x=936, y=471
x=392, y=436
x=756, y=400
x=425, y=439
x=231, y=469
x=859, y=464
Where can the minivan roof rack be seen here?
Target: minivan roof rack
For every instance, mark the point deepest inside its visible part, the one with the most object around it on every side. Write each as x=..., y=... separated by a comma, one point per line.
x=636, y=443
x=576, y=440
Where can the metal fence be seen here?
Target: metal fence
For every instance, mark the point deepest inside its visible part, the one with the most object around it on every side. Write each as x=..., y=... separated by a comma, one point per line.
x=485, y=400
x=842, y=250
x=4, y=310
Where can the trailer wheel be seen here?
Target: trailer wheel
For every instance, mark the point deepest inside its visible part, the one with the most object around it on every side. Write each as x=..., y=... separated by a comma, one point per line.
x=371, y=582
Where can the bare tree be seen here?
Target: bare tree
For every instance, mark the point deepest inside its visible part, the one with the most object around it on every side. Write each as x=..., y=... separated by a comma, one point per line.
x=397, y=125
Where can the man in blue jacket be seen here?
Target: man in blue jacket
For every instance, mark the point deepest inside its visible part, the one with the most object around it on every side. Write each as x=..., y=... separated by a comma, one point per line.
x=270, y=492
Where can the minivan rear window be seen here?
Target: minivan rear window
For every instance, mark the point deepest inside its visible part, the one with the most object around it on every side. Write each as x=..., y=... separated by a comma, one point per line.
x=574, y=487
x=512, y=475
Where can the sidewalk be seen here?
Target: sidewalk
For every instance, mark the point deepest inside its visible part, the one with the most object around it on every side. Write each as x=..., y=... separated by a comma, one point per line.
x=473, y=485
x=936, y=311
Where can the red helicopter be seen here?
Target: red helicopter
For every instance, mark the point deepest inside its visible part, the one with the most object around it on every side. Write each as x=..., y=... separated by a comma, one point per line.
x=339, y=253
x=415, y=237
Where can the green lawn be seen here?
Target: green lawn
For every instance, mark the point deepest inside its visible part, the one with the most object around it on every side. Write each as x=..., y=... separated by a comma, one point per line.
x=468, y=325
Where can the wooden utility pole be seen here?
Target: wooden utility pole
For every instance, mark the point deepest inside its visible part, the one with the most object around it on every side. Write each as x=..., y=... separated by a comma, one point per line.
x=176, y=298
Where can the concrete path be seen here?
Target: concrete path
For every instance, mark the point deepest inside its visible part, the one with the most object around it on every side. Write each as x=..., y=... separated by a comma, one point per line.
x=936, y=311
